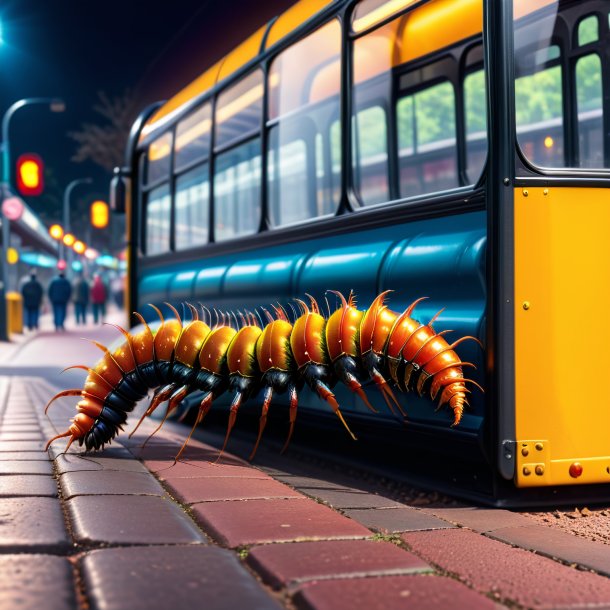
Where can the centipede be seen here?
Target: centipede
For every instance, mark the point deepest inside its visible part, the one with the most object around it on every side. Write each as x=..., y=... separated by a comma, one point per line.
x=264, y=353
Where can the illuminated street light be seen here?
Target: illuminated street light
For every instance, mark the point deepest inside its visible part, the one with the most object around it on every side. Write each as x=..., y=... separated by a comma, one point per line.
x=79, y=247
x=69, y=240
x=56, y=232
x=66, y=214
x=99, y=214
x=91, y=253
x=55, y=105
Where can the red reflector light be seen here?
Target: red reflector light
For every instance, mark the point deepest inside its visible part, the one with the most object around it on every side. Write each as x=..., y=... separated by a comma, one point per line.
x=575, y=470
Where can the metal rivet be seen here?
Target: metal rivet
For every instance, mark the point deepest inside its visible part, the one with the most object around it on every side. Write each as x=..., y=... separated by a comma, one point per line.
x=526, y=305
x=545, y=192
x=539, y=470
x=506, y=181
x=527, y=471
x=525, y=452
x=525, y=192
x=539, y=446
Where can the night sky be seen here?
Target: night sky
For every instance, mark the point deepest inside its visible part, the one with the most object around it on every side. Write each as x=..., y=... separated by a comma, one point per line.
x=74, y=49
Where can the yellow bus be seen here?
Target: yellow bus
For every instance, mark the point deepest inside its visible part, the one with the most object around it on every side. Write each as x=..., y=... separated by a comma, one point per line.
x=454, y=149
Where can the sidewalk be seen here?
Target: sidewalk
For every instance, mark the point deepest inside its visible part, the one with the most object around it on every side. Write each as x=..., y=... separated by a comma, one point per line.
x=126, y=528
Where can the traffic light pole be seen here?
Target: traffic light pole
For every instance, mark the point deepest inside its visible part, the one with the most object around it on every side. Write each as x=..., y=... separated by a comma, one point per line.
x=4, y=268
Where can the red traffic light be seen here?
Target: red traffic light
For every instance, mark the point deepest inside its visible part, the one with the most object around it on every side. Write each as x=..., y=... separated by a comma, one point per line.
x=30, y=174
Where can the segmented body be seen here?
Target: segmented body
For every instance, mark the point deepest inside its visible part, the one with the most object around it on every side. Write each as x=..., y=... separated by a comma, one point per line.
x=176, y=360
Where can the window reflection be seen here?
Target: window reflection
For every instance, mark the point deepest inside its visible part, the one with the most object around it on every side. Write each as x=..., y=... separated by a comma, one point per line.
x=192, y=208
x=158, y=210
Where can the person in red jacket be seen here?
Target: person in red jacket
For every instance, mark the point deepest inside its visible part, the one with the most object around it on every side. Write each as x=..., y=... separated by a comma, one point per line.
x=99, y=295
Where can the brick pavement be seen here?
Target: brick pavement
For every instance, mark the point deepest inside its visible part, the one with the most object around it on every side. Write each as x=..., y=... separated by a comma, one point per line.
x=126, y=528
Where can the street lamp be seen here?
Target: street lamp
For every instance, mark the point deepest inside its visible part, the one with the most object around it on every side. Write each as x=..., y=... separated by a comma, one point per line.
x=66, y=215
x=55, y=105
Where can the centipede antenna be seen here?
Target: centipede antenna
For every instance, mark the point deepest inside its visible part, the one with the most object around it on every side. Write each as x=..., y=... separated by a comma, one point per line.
x=62, y=435
x=194, y=311
x=344, y=304
x=435, y=316
x=269, y=316
x=175, y=312
x=260, y=319
x=294, y=312
x=303, y=306
x=158, y=312
x=314, y=304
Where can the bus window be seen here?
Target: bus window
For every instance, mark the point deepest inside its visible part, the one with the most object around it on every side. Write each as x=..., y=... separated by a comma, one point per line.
x=193, y=137
x=475, y=105
x=192, y=208
x=370, y=155
x=539, y=107
x=289, y=190
x=588, y=30
x=239, y=110
x=590, y=110
x=335, y=159
x=304, y=83
x=427, y=145
x=158, y=211
x=237, y=191
x=159, y=157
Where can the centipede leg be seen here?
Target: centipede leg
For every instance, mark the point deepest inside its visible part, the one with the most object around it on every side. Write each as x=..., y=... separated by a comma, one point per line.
x=386, y=392
x=204, y=408
x=232, y=417
x=354, y=385
x=324, y=393
x=263, y=419
x=159, y=397
x=294, y=402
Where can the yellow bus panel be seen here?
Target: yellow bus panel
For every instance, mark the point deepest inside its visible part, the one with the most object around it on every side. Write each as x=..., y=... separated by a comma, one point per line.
x=293, y=18
x=242, y=54
x=562, y=300
x=172, y=106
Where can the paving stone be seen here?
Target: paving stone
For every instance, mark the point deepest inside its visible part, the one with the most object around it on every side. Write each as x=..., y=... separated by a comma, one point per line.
x=480, y=519
x=281, y=565
x=165, y=452
x=31, y=525
x=19, y=427
x=394, y=520
x=25, y=467
x=510, y=573
x=41, y=456
x=256, y=521
x=556, y=543
x=213, y=489
x=75, y=462
x=20, y=436
x=311, y=483
x=107, y=482
x=31, y=582
x=391, y=593
x=130, y=520
x=351, y=498
x=199, y=469
x=14, y=485
x=23, y=445
x=157, y=578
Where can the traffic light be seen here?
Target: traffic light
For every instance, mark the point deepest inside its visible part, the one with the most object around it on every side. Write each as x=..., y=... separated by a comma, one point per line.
x=30, y=174
x=99, y=214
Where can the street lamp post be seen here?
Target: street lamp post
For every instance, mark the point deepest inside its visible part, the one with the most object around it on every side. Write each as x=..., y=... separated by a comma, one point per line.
x=55, y=105
x=66, y=214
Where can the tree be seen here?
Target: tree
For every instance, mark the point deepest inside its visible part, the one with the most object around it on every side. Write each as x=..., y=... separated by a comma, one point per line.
x=104, y=144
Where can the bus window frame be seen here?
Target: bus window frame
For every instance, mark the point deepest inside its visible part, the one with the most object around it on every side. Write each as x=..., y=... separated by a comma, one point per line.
x=460, y=199
x=528, y=173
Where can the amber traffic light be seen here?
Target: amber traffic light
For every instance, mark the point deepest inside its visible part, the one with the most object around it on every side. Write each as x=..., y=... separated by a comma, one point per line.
x=99, y=214
x=56, y=231
x=30, y=175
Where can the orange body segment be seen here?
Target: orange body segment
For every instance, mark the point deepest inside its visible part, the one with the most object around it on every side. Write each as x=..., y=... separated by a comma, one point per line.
x=241, y=354
x=307, y=340
x=166, y=338
x=273, y=346
x=342, y=332
x=190, y=342
x=142, y=344
x=214, y=349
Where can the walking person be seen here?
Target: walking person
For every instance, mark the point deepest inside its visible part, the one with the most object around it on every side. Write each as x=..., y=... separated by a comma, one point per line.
x=99, y=295
x=31, y=291
x=81, y=299
x=59, y=295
